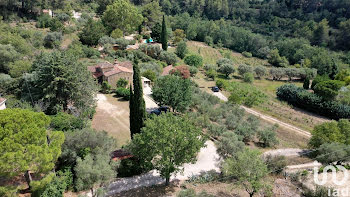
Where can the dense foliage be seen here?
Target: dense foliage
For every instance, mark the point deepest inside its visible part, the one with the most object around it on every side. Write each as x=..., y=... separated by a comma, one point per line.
x=300, y=97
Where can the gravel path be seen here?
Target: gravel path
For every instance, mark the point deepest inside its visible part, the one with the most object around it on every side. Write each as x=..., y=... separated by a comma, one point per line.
x=288, y=152
x=267, y=118
x=207, y=160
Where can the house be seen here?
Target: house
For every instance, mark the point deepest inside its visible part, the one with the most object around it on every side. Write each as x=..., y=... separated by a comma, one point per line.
x=111, y=73
x=76, y=15
x=48, y=11
x=2, y=103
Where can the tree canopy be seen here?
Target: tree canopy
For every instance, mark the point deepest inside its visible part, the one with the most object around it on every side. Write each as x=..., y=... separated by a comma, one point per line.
x=161, y=143
x=26, y=144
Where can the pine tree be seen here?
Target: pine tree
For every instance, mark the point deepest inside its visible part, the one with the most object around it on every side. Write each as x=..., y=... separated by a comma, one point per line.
x=164, y=36
x=137, y=103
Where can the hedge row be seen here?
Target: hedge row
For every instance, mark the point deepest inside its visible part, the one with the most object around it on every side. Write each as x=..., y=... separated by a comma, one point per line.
x=300, y=97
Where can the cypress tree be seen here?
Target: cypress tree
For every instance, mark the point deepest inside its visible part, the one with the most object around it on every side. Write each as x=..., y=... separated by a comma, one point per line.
x=164, y=36
x=137, y=103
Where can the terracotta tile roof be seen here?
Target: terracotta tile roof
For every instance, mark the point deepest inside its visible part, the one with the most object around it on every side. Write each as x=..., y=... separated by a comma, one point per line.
x=167, y=70
x=120, y=155
x=2, y=100
x=116, y=70
x=126, y=64
x=92, y=68
x=105, y=65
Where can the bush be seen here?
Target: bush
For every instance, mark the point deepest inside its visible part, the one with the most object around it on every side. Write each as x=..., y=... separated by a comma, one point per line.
x=328, y=89
x=122, y=83
x=65, y=122
x=275, y=164
x=211, y=74
x=194, y=60
x=260, y=71
x=44, y=21
x=117, y=33
x=223, y=61
x=318, y=192
x=105, y=87
x=123, y=92
x=277, y=73
x=268, y=136
x=220, y=83
x=208, y=40
x=105, y=40
x=247, y=54
x=130, y=167
x=150, y=75
x=243, y=69
x=168, y=57
x=193, y=71
x=248, y=77
x=53, y=39
x=245, y=94
x=90, y=52
x=151, y=50
x=319, y=79
x=181, y=49
x=210, y=67
x=311, y=102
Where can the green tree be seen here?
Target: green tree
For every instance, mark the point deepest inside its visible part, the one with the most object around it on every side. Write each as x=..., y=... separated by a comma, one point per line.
x=25, y=143
x=173, y=91
x=344, y=35
x=260, y=71
x=149, y=74
x=181, y=49
x=194, y=60
x=328, y=89
x=117, y=33
x=248, y=169
x=168, y=150
x=248, y=77
x=268, y=136
x=179, y=35
x=94, y=170
x=156, y=32
x=333, y=152
x=276, y=60
x=226, y=69
x=321, y=33
x=122, y=15
x=60, y=80
x=137, y=103
x=92, y=32
x=152, y=13
x=122, y=83
x=164, y=35
x=8, y=54
x=327, y=132
x=168, y=57
x=229, y=145
x=19, y=67
x=105, y=87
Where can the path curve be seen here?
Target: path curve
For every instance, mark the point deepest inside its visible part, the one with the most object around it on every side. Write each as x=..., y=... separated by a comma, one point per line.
x=267, y=118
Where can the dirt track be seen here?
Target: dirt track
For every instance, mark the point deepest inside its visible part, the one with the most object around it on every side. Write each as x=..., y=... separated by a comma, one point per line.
x=267, y=118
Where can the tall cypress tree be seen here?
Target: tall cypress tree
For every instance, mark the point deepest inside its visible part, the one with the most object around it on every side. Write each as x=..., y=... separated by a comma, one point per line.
x=137, y=103
x=164, y=36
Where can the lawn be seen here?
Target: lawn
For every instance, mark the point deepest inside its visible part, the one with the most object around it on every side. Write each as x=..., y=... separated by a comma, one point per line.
x=112, y=116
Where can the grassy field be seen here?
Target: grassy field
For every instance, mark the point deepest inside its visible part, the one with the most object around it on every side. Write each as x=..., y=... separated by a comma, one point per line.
x=272, y=106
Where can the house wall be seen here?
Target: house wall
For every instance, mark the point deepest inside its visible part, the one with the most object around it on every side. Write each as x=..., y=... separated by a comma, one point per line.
x=2, y=106
x=112, y=80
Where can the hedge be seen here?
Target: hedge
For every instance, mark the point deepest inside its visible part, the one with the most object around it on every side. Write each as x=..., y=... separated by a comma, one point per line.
x=301, y=98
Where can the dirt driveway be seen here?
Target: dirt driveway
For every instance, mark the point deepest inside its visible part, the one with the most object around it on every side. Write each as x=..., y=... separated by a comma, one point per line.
x=112, y=116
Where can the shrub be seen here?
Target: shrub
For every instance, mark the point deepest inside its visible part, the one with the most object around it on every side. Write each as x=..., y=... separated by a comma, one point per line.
x=106, y=40
x=226, y=69
x=220, y=83
x=182, y=71
x=130, y=167
x=319, y=79
x=193, y=71
x=122, y=83
x=194, y=60
x=151, y=50
x=245, y=94
x=243, y=69
x=65, y=122
x=210, y=67
x=208, y=40
x=277, y=73
x=260, y=71
x=53, y=39
x=223, y=61
x=211, y=74
x=44, y=21
x=123, y=43
x=152, y=66
x=268, y=136
x=247, y=54
x=328, y=89
x=150, y=75
x=168, y=57
x=117, y=33
x=216, y=130
x=306, y=84
x=229, y=145
x=123, y=92
x=90, y=52
x=181, y=49
x=311, y=102
x=275, y=164
x=105, y=87
x=248, y=77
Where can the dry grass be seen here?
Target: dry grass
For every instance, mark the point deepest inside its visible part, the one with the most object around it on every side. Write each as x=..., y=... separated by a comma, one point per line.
x=112, y=116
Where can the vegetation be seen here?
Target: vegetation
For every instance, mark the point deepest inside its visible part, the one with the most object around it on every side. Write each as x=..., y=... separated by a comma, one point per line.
x=137, y=103
x=167, y=131
x=173, y=91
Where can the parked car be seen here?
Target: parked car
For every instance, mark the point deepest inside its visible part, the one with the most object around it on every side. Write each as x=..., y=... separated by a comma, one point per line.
x=215, y=89
x=160, y=110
